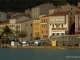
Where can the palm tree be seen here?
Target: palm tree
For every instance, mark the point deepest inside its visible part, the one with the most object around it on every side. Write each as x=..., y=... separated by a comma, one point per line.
x=6, y=32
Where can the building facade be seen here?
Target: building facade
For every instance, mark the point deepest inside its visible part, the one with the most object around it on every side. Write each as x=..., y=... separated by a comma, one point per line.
x=59, y=24
x=68, y=8
x=36, y=28
x=44, y=26
x=21, y=23
x=3, y=16
x=77, y=22
x=42, y=9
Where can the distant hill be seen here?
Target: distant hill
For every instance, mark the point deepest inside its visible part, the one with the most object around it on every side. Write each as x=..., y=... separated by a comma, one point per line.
x=21, y=5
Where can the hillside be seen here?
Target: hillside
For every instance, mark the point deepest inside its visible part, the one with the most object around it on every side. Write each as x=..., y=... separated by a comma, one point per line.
x=21, y=5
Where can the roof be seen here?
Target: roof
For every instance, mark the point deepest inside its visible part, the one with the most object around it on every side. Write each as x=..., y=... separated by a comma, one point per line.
x=60, y=13
x=16, y=17
x=23, y=21
x=5, y=22
x=77, y=12
x=40, y=5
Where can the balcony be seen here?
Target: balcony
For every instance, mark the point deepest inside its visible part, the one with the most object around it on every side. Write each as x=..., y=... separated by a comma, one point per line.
x=43, y=22
x=59, y=28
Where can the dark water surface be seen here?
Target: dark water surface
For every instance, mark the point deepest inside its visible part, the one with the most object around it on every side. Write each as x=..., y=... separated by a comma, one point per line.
x=39, y=54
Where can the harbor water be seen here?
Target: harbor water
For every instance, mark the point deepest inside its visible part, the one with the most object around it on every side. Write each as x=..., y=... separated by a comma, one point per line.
x=39, y=54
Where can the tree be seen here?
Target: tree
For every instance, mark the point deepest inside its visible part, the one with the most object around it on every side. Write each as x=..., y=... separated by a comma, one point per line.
x=22, y=34
x=6, y=32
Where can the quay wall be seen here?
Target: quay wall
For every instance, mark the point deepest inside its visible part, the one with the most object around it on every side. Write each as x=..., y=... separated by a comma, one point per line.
x=43, y=46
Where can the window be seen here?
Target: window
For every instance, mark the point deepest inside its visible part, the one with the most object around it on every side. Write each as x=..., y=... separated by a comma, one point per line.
x=61, y=20
x=57, y=34
x=25, y=24
x=56, y=20
x=46, y=26
x=46, y=31
x=31, y=34
x=44, y=21
x=53, y=25
x=37, y=23
x=36, y=33
x=42, y=26
x=62, y=25
x=53, y=34
x=57, y=25
x=65, y=20
x=31, y=24
x=62, y=33
x=78, y=16
x=42, y=31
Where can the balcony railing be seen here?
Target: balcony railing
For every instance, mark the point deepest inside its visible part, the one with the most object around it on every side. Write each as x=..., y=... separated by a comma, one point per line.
x=59, y=28
x=43, y=22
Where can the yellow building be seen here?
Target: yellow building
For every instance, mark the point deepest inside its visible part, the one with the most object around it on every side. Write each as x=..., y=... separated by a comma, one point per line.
x=44, y=26
x=36, y=28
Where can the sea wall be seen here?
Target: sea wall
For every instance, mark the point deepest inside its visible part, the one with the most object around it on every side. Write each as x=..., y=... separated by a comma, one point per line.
x=43, y=46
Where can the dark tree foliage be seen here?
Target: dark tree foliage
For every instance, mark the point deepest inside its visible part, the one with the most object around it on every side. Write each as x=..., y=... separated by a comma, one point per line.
x=21, y=5
x=73, y=2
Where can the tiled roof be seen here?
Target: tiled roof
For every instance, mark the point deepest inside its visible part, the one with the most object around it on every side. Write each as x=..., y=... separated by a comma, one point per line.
x=16, y=17
x=5, y=22
x=77, y=12
x=60, y=13
x=23, y=21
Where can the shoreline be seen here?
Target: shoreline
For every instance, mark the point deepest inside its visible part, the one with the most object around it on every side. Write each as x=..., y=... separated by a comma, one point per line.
x=63, y=47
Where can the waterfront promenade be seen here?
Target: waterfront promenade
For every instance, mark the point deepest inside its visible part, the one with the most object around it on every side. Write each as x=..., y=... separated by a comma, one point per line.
x=43, y=46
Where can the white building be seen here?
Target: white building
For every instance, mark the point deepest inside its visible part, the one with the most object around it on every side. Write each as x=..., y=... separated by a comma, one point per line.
x=59, y=23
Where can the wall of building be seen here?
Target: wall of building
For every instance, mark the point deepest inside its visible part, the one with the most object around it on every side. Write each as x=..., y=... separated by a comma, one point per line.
x=36, y=28
x=76, y=24
x=40, y=10
x=44, y=26
x=70, y=8
x=27, y=27
x=3, y=16
x=63, y=22
x=45, y=9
